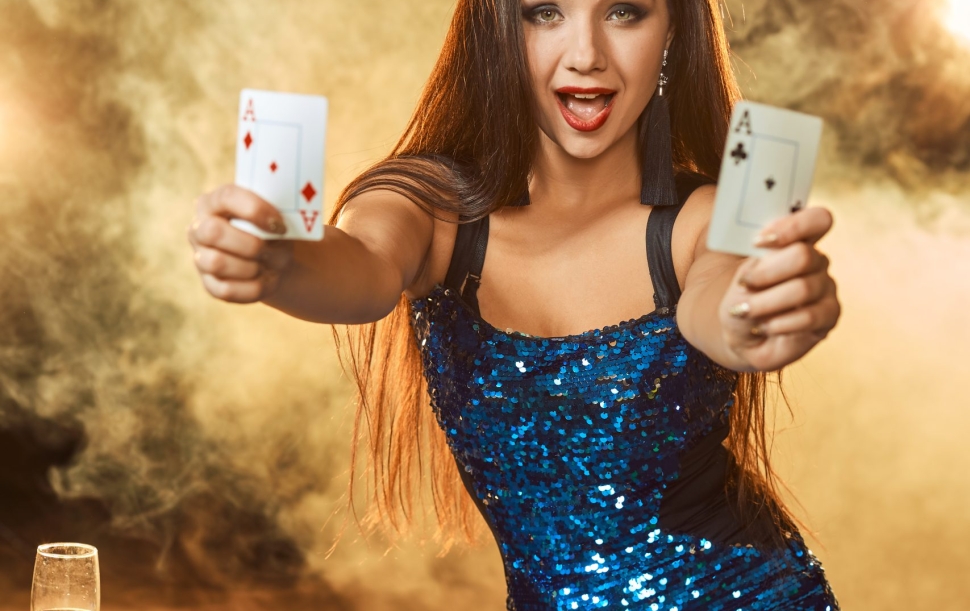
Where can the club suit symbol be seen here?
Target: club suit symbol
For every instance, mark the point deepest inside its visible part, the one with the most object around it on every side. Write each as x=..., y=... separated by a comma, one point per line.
x=739, y=154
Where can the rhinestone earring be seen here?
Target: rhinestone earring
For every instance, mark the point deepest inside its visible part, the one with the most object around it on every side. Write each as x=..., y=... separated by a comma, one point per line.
x=663, y=77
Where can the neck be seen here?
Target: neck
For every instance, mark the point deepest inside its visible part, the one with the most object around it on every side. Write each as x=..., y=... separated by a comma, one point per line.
x=569, y=187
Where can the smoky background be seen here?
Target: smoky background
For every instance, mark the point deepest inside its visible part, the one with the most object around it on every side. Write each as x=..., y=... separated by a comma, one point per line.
x=203, y=447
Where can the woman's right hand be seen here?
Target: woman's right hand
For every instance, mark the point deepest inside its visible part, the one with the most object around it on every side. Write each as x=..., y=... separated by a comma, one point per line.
x=236, y=266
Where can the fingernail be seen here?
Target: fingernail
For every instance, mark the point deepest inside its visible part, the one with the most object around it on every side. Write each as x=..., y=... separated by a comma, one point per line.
x=757, y=331
x=276, y=226
x=766, y=239
x=740, y=310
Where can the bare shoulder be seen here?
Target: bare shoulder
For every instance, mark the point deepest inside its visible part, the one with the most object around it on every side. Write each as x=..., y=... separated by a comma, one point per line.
x=438, y=258
x=690, y=230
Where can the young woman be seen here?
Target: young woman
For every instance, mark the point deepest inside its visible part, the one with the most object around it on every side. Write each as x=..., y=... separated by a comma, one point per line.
x=554, y=182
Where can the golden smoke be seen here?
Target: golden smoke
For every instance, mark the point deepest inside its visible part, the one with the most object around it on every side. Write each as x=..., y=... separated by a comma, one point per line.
x=957, y=18
x=203, y=446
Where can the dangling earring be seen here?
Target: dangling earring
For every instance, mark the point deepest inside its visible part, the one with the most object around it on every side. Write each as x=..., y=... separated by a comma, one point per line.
x=657, y=172
x=663, y=77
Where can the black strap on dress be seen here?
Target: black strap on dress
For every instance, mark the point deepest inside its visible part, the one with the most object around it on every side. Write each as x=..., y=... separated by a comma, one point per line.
x=468, y=257
x=660, y=229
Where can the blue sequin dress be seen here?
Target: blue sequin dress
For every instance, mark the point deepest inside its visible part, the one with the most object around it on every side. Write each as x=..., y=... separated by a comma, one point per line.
x=596, y=459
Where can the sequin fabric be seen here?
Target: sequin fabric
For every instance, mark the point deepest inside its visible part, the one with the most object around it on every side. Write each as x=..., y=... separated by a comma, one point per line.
x=569, y=443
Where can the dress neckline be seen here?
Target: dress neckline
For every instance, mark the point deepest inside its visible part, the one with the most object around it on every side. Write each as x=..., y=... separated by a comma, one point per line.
x=487, y=327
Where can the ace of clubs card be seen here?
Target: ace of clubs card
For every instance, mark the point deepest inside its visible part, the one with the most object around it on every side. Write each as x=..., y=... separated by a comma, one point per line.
x=766, y=173
x=279, y=156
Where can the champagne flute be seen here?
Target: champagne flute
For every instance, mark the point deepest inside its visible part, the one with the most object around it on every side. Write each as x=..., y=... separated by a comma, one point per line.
x=66, y=578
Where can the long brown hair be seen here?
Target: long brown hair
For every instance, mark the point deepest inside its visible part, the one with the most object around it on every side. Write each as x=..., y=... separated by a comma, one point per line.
x=468, y=150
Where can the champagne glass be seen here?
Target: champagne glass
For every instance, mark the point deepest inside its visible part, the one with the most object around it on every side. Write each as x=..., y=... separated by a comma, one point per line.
x=66, y=578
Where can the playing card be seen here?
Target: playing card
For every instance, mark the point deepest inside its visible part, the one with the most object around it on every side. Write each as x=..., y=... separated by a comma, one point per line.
x=766, y=173
x=279, y=156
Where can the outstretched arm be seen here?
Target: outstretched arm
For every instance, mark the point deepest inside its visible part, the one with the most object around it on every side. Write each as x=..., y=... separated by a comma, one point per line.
x=760, y=314
x=355, y=275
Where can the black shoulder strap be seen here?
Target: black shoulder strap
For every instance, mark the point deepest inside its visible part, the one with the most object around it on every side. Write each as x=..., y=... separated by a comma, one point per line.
x=660, y=226
x=468, y=257
x=467, y=260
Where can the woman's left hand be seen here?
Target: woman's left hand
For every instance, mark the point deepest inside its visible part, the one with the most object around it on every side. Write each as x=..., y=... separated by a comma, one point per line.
x=781, y=304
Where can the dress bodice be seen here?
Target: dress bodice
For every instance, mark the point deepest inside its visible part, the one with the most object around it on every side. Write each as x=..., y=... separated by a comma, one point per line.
x=596, y=458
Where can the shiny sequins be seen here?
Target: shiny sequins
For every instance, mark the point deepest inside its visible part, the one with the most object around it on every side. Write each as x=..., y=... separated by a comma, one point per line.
x=569, y=444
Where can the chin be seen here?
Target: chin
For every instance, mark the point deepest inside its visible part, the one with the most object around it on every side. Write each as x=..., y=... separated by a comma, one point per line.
x=584, y=148
x=583, y=145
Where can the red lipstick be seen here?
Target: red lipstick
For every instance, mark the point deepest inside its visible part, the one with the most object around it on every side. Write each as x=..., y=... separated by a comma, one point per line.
x=585, y=125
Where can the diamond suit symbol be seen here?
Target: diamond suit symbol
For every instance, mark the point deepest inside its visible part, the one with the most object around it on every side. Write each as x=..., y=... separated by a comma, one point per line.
x=248, y=140
x=308, y=192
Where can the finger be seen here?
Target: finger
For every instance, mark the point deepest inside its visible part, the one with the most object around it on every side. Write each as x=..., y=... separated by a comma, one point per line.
x=216, y=232
x=225, y=266
x=277, y=254
x=806, y=225
x=781, y=350
x=233, y=291
x=233, y=201
x=748, y=337
x=741, y=273
x=797, y=259
x=818, y=318
x=788, y=295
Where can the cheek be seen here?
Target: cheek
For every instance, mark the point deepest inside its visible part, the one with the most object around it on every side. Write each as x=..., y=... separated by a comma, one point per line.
x=542, y=59
x=639, y=67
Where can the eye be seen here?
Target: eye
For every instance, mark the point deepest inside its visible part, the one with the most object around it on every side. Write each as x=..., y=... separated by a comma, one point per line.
x=625, y=12
x=544, y=14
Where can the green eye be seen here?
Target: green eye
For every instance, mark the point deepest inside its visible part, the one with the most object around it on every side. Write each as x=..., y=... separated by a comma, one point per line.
x=545, y=15
x=625, y=13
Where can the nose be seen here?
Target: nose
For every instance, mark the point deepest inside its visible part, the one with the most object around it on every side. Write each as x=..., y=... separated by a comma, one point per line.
x=585, y=52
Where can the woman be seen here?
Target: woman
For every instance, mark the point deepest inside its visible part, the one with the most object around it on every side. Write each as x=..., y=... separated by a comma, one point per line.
x=517, y=199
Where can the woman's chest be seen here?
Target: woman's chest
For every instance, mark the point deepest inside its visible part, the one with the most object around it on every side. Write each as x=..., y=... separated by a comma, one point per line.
x=639, y=383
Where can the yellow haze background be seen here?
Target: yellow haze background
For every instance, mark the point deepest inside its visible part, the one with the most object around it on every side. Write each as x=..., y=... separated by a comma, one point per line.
x=114, y=116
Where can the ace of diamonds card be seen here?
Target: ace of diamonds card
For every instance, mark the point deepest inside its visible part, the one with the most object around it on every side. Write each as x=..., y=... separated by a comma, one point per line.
x=279, y=156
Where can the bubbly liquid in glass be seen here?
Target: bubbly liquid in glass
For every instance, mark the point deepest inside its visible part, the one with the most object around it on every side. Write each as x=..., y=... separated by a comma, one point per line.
x=66, y=578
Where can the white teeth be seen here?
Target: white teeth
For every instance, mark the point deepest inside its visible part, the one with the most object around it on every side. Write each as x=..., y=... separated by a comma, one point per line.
x=586, y=96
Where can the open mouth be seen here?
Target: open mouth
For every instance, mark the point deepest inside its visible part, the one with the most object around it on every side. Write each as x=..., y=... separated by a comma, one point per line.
x=585, y=109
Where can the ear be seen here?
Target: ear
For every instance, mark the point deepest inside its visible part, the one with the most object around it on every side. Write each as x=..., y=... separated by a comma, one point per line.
x=671, y=32
x=671, y=26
